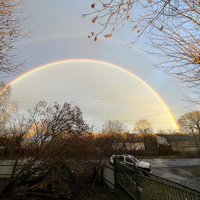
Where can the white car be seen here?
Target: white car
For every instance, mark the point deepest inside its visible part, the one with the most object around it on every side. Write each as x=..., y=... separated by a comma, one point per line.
x=131, y=160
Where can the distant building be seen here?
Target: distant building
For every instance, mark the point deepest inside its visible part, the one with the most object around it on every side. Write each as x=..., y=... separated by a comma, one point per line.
x=129, y=146
x=130, y=142
x=178, y=142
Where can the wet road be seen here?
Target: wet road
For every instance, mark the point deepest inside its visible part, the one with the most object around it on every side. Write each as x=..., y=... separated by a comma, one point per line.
x=176, y=170
x=182, y=162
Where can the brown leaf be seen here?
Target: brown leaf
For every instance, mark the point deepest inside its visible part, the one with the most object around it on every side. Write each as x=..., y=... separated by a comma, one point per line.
x=107, y=35
x=95, y=18
x=104, y=5
x=93, y=5
x=95, y=39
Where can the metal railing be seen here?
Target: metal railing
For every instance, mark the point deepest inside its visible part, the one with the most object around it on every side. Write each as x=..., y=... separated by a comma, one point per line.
x=141, y=185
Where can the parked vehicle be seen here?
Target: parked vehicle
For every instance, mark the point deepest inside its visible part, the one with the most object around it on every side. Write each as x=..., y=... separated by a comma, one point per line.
x=131, y=160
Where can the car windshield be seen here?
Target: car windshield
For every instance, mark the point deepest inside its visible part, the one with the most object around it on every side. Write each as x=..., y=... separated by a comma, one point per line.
x=120, y=158
x=129, y=160
x=134, y=159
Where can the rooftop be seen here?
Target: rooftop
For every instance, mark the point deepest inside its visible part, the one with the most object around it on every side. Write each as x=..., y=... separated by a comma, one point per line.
x=176, y=137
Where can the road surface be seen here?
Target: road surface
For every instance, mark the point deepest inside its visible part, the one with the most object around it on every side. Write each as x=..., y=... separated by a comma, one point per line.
x=176, y=170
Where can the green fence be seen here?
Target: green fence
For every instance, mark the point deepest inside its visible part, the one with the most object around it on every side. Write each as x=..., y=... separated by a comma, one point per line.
x=139, y=185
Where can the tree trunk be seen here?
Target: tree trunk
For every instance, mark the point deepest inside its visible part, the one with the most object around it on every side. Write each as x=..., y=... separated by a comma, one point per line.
x=196, y=141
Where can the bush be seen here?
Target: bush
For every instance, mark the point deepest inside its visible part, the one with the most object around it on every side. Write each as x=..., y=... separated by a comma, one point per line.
x=165, y=150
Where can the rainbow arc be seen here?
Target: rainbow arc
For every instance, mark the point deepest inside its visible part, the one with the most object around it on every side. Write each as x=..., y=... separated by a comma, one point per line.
x=99, y=62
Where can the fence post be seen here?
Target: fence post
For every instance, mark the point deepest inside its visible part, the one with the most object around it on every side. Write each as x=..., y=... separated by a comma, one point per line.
x=137, y=181
x=115, y=171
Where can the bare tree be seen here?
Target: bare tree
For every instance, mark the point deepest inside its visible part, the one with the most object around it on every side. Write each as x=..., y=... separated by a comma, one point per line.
x=111, y=133
x=144, y=128
x=171, y=25
x=7, y=107
x=12, y=26
x=114, y=127
x=190, y=123
x=53, y=121
x=13, y=135
x=44, y=160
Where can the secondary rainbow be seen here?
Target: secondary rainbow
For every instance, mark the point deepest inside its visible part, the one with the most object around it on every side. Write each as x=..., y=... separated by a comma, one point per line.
x=99, y=62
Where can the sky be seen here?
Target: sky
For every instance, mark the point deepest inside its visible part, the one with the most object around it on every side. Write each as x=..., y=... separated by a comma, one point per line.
x=100, y=84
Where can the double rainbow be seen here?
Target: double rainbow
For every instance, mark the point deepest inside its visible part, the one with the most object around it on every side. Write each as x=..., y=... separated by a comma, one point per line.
x=99, y=62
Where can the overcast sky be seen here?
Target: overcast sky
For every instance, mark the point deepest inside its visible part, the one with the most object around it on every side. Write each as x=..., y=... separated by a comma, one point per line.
x=102, y=92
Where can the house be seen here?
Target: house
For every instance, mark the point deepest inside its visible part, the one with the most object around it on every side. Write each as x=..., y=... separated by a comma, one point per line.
x=178, y=142
x=136, y=146
x=131, y=142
